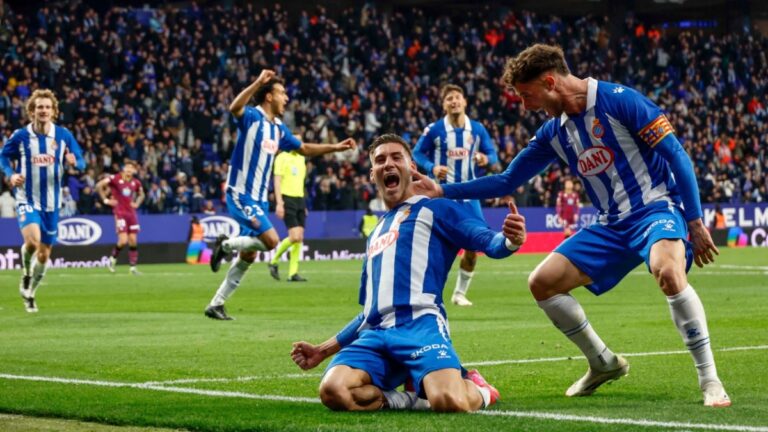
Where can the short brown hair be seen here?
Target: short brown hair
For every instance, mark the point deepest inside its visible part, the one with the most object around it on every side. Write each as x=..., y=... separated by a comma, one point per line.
x=449, y=88
x=131, y=162
x=389, y=138
x=42, y=94
x=534, y=61
x=266, y=88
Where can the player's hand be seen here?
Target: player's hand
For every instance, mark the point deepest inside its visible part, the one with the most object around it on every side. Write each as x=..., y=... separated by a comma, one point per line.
x=110, y=202
x=265, y=75
x=306, y=355
x=514, y=226
x=135, y=205
x=704, y=249
x=440, y=172
x=17, y=180
x=423, y=185
x=347, y=144
x=280, y=211
x=481, y=159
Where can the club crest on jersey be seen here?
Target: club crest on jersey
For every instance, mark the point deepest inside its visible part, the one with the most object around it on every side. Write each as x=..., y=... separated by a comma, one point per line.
x=380, y=243
x=43, y=159
x=595, y=160
x=457, y=153
x=127, y=192
x=269, y=146
x=597, y=129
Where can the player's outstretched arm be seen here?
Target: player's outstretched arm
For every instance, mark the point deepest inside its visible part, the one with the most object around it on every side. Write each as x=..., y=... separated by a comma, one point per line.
x=237, y=107
x=316, y=149
x=525, y=165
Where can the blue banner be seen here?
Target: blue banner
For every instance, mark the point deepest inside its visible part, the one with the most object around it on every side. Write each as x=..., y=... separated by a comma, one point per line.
x=99, y=230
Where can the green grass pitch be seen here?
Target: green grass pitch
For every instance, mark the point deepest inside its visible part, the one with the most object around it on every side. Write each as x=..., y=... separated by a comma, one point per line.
x=138, y=351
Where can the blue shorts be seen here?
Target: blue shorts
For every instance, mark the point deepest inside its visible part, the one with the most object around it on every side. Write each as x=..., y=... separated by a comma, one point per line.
x=392, y=355
x=48, y=222
x=249, y=213
x=607, y=254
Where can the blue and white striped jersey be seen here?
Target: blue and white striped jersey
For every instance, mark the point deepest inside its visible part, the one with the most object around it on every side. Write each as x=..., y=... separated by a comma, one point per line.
x=40, y=159
x=622, y=147
x=455, y=148
x=258, y=141
x=409, y=255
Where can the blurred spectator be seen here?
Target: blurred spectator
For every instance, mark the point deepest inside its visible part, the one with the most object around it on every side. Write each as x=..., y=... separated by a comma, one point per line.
x=7, y=205
x=157, y=89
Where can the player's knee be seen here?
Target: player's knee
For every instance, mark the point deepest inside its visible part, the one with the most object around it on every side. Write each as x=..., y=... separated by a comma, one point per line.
x=42, y=255
x=336, y=396
x=449, y=402
x=670, y=278
x=32, y=245
x=538, y=283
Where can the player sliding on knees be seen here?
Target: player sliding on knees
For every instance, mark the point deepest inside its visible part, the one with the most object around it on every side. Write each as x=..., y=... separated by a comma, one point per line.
x=402, y=335
x=260, y=134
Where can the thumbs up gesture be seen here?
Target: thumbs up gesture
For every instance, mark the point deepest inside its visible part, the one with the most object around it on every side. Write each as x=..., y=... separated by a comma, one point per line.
x=514, y=226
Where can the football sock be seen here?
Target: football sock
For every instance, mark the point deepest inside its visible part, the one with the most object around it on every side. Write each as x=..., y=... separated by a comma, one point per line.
x=38, y=271
x=691, y=321
x=462, y=282
x=26, y=258
x=231, y=281
x=133, y=255
x=404, y=400
x=566, y=314
x=485, y=393
x=281, y=248
x=243, y=244
x=293, y=262
x=116, y=251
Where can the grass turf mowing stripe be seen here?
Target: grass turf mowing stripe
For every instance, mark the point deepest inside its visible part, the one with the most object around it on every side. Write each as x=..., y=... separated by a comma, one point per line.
x=526, y=414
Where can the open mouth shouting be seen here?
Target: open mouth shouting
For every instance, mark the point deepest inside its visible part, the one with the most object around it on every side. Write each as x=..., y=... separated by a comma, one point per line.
x=391, y=180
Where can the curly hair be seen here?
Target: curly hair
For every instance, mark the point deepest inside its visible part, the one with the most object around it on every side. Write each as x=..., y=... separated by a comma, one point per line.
x=532, y=62
x=42, y=94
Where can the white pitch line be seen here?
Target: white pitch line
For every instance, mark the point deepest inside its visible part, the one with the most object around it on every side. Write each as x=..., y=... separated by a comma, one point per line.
x=523, y=414
x=145, y=386
x=236, y=379
x=623, y=421
x=641, y=354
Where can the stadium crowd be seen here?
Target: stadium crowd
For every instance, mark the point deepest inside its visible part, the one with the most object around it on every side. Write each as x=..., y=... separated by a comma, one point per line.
x=153, y=85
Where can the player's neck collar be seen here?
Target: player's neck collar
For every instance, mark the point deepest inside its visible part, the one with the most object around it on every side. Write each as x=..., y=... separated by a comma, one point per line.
x=449, y=126
x=51, y=130
x=275, y=119
x=591, y=99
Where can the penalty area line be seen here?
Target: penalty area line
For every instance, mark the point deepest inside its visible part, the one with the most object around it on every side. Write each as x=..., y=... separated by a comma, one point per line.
x=278, y=398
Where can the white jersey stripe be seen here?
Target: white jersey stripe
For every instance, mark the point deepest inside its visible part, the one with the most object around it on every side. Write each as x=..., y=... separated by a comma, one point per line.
x=638, y=165
x=387, y=278
x=593, y=181
x=620, y=196
x=422, y=233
